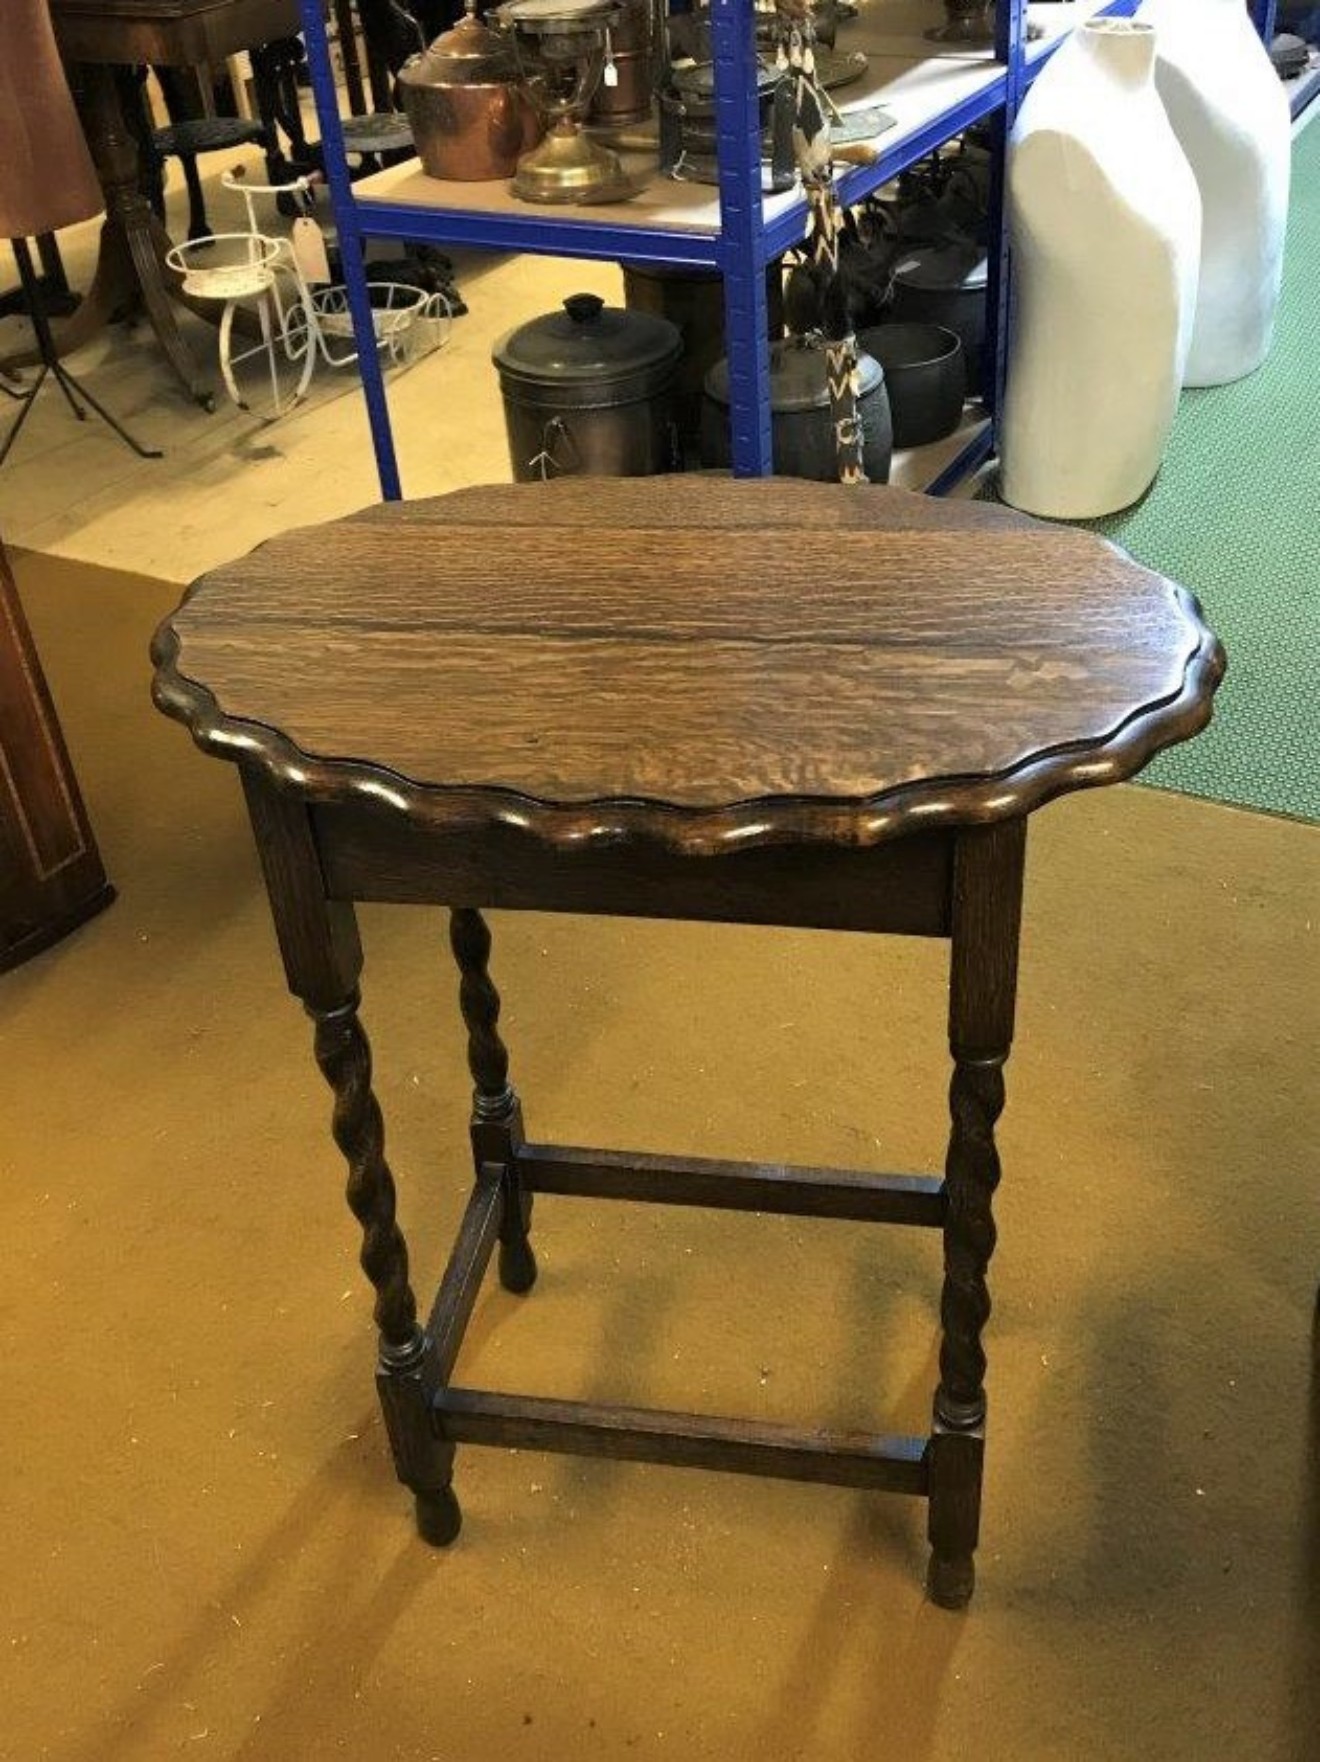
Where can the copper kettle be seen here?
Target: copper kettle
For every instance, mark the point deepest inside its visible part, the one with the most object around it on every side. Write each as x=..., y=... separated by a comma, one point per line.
x=470, y=117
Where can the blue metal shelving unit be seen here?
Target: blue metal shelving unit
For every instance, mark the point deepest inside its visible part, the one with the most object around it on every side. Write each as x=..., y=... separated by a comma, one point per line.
x=744, y=243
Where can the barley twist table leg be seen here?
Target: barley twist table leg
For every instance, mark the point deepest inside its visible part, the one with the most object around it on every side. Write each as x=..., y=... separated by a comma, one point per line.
x=404, y=1375
x=496, y=1128
x=344, y=1055
x=322, y=955
x=976, y=1097
x=987, y=902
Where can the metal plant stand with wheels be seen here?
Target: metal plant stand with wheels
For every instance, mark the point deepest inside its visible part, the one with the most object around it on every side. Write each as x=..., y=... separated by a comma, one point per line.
x=258, y=274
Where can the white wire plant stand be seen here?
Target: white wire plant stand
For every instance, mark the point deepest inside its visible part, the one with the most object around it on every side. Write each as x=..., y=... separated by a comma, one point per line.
x=275, y=324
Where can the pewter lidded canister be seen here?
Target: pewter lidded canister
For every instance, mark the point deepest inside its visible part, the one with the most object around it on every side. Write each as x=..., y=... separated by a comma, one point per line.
x=589, y=391
x=470, y=116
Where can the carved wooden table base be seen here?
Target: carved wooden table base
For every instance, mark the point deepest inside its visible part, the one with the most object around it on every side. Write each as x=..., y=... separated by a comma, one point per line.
x=643, y=698
x=132, y=275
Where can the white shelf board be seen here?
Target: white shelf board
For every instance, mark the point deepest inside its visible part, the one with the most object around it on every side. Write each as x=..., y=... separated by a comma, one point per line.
x=918, y=467
x=675, y=207
x=914, y=86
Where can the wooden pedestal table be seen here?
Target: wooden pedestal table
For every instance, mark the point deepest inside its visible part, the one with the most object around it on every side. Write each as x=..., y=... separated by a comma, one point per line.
x=95, y=36
x=762, y=702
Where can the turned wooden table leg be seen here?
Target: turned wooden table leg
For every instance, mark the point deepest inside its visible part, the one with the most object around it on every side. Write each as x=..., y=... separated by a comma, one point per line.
x=318, y=939
x=986, y=912
x=497, y=1127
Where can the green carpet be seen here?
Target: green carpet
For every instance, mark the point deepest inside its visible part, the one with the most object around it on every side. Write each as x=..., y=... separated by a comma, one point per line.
x=1235, y=516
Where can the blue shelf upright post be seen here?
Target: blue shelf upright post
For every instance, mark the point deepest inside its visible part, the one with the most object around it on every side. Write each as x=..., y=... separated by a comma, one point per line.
x=350, y=246
x=742, y=244
x=1010, y=41
x=1263, y=11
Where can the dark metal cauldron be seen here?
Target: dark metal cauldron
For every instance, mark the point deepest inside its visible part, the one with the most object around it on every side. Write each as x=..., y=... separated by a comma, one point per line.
x=589, y=391
x=802, y=431
x=945, y=284
x=924, y=376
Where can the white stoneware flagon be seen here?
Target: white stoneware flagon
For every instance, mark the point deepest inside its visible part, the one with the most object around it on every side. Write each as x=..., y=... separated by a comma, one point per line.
x=1230, y=114
x=1105, y=223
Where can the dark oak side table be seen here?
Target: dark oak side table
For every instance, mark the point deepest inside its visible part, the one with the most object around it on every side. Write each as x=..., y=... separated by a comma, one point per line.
x=763, y=702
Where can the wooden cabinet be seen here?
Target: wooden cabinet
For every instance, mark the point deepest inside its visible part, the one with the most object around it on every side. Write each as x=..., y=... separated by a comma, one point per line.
x=51, y=877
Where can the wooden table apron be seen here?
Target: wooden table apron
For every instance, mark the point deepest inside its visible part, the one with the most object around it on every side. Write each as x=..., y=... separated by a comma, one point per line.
x=168, y=33
x=698, y=726
x=95, y=36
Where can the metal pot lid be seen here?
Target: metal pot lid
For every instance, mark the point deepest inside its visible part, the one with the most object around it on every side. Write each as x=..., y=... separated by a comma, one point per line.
x=471, y=54
x=696, y=79
x=587, y=341
x=797, y=376
x=553, y=16
x=943, y=268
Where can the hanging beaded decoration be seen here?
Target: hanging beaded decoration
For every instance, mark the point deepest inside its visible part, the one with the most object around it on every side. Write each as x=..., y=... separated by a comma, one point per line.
x=812, y=148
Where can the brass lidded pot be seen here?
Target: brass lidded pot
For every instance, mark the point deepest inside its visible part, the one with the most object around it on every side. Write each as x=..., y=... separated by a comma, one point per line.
x=470, y=116
x=589, y=391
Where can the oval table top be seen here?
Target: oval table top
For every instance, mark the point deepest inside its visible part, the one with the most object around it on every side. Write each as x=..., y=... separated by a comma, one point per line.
x=711, y=663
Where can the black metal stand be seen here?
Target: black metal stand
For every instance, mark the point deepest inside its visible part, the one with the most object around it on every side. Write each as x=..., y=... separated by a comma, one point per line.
x=61, y=301
x=52, y=366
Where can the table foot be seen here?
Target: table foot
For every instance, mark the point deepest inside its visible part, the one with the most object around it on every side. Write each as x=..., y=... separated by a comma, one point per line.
x=950, y=1580
x=439, y=1517
x=322, y=953
x=517, y=1266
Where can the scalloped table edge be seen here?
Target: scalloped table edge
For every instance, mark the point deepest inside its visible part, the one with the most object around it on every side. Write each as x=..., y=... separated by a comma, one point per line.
x=709, y=831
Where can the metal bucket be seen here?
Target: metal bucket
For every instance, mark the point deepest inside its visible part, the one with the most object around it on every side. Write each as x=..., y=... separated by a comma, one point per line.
x=628, y=101
x=589, y=392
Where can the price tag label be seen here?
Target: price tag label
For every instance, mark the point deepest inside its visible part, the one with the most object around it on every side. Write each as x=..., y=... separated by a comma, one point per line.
x=309, y=251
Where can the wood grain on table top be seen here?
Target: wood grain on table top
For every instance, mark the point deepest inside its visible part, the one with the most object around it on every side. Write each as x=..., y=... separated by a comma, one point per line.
x=688, y=641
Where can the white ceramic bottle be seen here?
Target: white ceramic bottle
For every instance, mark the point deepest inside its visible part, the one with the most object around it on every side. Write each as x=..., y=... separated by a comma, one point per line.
x=1105, y=223
x=1230, y=114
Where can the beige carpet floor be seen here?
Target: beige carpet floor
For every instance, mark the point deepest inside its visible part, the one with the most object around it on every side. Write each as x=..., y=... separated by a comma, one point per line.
x=205, y=1553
